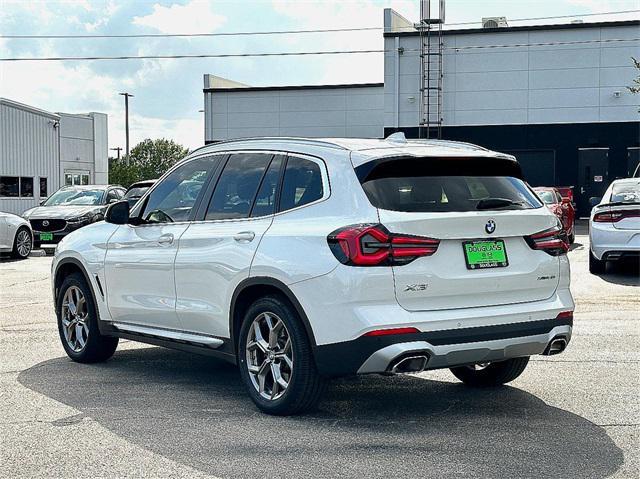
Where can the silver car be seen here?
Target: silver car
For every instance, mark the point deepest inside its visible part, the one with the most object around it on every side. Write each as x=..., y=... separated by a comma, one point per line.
x=614, y=226
x=16, y=236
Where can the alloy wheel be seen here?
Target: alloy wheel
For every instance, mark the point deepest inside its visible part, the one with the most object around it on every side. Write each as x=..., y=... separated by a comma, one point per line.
x=269, y=356
x=478, y=366
x=74, y=319
x=23, y=243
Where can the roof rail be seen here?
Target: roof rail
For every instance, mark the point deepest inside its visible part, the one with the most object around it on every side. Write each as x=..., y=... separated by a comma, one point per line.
x=312, y=141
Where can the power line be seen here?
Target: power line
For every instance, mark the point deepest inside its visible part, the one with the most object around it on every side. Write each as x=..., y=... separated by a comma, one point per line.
x=290, y=32
x=320, y=52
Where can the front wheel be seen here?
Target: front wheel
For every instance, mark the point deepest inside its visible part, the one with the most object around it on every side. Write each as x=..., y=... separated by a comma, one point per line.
x=491, y=374
x=276, y=361
x=78, y=323
x=22, y=243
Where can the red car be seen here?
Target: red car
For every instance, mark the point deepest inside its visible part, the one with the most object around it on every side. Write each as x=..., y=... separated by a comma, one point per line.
x=561, y=206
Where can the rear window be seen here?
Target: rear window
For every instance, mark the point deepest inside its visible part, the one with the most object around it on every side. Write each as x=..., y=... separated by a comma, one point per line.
x=446, y=184
x=547, y=196
x=626, y=193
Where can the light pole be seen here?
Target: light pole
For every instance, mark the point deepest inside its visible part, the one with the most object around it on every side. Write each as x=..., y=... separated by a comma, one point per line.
x=118, y=149
x=126, y=120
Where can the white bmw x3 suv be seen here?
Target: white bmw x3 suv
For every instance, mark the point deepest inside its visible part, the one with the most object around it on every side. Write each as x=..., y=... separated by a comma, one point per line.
x=306, y=259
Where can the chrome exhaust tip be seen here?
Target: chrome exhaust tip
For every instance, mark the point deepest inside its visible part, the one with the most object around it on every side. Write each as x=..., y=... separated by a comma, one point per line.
x=410, y=364
x=556, y=346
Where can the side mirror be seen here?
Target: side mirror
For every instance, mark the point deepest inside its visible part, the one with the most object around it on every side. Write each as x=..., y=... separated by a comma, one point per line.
x=117, y=213
x=113, y=200
x=594, y=201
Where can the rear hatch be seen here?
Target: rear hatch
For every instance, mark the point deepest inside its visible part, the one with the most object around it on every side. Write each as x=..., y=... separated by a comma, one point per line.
x=475, y=207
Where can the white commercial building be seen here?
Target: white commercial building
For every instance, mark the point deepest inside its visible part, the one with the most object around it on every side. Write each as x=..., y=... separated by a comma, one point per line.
x=41, y=151
x=553, y=95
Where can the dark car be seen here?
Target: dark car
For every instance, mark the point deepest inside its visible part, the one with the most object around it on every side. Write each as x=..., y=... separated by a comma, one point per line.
x=561, y=206
x=70, y=208
x=136, y=190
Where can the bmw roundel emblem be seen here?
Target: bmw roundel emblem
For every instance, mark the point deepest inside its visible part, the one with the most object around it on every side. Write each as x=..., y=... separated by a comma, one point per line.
x=490, y=227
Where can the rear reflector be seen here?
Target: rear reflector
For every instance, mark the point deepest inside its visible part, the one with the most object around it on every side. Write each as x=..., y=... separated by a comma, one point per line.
x=565, y=315
x=387, y=332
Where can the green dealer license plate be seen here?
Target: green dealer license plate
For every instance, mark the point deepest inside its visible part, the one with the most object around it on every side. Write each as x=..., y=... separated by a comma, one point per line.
x=483, y=254
x=46, y=236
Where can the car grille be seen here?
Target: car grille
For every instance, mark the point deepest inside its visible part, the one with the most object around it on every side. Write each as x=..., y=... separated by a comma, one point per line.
x=48, y=225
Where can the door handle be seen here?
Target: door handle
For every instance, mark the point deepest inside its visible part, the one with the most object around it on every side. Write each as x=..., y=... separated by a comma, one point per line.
x=166, y=239
x=244, y=236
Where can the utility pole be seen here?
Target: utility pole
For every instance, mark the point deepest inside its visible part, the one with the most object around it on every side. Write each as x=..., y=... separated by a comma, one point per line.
x=118, y=149
x=126, y=120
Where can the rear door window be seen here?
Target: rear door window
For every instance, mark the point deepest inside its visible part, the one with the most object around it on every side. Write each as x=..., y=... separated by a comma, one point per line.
x=445, y=184
x=238, y=185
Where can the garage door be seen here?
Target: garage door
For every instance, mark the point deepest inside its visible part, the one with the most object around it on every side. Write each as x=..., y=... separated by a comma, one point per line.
x=538, y=166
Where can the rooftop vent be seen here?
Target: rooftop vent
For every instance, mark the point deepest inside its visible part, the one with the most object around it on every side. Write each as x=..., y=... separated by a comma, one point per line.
x=494, y=22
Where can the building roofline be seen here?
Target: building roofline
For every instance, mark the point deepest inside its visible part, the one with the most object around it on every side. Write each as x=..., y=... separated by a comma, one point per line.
x=29, y=108
x=520, y=28
x=294, y=87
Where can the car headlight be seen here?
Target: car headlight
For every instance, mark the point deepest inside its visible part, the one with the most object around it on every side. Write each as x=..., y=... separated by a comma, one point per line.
x=80, y=219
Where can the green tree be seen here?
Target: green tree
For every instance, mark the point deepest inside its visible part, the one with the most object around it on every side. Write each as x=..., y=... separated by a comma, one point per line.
x=636, y=81
x=148, y=160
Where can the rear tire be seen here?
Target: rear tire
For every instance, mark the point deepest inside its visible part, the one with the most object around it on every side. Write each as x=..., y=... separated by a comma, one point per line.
x=494, y=374
x=286, y=354
x=22, y=243
x=596, y=266
x=78, y=323
x=572, y=238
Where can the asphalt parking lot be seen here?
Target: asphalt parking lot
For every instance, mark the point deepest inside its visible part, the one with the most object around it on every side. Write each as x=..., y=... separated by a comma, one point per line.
x=158, y=413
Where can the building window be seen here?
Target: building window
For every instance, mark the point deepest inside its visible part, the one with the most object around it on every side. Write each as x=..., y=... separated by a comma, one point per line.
x=9, y=186
x=43, y=188
x=76, y=179
x=26, y=187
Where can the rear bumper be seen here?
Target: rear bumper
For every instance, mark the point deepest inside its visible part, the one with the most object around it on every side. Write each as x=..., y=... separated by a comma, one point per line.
x=443, y=349
x=606, y=239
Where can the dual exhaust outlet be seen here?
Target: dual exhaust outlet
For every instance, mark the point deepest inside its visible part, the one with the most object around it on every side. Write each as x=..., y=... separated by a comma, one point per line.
x=413, y=363
x=417, y=362
x=556, y=346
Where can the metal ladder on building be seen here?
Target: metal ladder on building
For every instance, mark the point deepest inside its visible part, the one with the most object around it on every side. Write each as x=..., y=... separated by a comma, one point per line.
x=431, y=72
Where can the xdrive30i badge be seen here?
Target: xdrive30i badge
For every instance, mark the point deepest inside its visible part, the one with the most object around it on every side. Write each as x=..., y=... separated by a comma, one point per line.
x=490, y=227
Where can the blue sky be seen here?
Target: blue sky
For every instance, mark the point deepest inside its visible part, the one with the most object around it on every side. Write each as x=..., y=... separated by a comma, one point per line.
x=168, y=93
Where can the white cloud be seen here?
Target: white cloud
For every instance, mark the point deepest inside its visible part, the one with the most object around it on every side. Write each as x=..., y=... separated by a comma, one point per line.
x=195, y=16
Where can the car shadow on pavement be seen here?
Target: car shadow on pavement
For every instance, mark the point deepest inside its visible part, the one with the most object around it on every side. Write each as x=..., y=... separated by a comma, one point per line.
x=626, y=273
x=194, y=410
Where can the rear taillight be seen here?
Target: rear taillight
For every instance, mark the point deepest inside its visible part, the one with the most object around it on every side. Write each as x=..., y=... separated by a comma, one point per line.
x=374, y=245
x=553, y=241
x=615, y=216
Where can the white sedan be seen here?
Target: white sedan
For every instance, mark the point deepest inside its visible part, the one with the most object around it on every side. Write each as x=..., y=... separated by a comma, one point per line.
x=16, y=236
x=614, y=226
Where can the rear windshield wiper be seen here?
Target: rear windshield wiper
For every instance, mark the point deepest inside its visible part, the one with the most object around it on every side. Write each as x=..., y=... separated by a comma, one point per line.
x=490, y=203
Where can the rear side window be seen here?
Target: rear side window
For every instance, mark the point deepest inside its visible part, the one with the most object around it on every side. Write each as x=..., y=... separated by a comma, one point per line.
x=445, y=184
x=302, y=183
